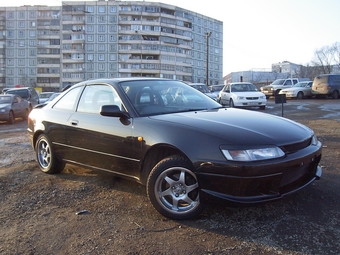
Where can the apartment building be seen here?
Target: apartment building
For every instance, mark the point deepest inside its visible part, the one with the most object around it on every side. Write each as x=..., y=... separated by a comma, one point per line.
x=50, y=47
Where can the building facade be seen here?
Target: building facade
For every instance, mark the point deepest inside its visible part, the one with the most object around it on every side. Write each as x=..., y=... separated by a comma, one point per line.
x=50, y=47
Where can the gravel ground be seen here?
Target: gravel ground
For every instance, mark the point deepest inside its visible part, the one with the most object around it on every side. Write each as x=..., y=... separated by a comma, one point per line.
x=38, y=211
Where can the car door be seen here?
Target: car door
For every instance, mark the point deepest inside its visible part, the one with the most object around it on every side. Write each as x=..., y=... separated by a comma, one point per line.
x=98, y=141
x=225, y=95
x=16, y=107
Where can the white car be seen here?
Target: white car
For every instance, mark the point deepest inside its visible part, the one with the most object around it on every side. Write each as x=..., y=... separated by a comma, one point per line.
x=242, y=94
x=299, y=90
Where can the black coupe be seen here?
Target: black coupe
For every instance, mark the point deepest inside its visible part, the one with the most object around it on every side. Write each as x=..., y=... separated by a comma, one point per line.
x=185, y=147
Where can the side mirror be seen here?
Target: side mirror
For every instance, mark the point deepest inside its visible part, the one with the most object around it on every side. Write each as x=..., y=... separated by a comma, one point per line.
x=112, y=111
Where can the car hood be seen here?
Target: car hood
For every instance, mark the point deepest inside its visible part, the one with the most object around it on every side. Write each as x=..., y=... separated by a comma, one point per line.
x=235, y=126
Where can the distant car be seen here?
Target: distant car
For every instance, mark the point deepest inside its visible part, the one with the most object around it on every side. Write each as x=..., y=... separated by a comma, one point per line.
x=299, y=90
x=216, y=89
x=13, y=106
x=30, y=94
x=242, y=94
x=204, y=89
x=186, y=149
x=53, y=96
x=44, y=96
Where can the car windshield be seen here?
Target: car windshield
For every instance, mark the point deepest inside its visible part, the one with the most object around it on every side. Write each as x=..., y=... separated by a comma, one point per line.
x=278, y=82
x=300, y=85
x=45, y=95
x=5, y=99
x=202, y=88
x=153, y=97
x=243, y=88
x=216, y=88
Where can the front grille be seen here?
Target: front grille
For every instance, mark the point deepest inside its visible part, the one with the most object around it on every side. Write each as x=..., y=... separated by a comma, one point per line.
x=290, y=148
x=252, y=98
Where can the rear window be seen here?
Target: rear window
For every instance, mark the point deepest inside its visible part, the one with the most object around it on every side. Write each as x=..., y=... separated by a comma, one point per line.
x=21, y=92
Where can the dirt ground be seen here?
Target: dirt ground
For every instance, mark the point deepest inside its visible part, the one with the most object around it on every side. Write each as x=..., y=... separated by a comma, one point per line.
x=39, y=211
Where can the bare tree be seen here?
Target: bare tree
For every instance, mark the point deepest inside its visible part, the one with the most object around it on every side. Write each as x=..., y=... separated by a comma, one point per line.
x=326, y=58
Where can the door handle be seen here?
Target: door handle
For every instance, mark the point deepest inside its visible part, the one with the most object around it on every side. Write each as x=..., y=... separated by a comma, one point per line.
x=74, y=122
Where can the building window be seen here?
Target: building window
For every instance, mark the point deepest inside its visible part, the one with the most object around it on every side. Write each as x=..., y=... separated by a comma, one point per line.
x=101, y=9
x=21, y=34
x=101, y=47
x=113, y=9
x=101, y=57
x=90, y=9
x=90, y=28
x=21, y=53
x=101, y=28
x=90, y=38
x=101, y=38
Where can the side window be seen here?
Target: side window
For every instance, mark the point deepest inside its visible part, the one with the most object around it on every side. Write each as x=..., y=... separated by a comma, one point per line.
x=288, y=82
x=69, y=100
x=295, y=81
x=95, y=96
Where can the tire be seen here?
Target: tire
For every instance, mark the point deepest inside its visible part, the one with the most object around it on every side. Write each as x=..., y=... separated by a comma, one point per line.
x=231, y=103
x=335, y=94
x=11, y=118
x=262, y=107
x=25, y=117
x=48, y=163
x=173, y=189
x=299, y=95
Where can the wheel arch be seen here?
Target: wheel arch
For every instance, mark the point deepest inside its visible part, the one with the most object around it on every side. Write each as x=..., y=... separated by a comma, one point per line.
x=156, y=154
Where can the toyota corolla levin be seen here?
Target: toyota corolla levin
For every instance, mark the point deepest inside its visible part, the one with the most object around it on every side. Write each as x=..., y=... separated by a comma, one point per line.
x=183, y=146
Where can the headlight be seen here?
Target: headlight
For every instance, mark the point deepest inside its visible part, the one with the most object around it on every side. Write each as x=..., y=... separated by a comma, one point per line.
x=3, y=110
x=240, y=98
x=262, y=97
x=253, y=154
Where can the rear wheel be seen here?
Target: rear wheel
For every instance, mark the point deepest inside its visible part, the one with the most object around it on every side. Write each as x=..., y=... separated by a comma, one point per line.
x=173, y=189
x=11, y=117
x=46, y=158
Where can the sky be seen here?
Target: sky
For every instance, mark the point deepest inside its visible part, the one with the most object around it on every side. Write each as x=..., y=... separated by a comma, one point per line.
x=258, y=33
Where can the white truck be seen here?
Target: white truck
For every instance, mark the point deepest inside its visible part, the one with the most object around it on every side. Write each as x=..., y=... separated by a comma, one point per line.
x=274, y=88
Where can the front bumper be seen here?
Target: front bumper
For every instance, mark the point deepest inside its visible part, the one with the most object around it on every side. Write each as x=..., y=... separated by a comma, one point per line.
x=247, y=183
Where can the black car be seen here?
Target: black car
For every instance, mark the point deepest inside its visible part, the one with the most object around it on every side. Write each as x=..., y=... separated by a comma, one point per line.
x=185, y=147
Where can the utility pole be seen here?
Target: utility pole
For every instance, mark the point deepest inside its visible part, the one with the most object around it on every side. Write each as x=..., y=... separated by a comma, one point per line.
x=207, y=58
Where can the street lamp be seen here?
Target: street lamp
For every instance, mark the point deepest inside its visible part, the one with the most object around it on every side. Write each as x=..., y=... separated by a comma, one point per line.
x=207, y=58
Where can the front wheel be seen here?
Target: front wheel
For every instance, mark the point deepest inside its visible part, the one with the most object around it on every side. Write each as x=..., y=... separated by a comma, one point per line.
x=299, y=95
x=173, y=189
x=46, y=158
x=231, y=103
x=335, y=94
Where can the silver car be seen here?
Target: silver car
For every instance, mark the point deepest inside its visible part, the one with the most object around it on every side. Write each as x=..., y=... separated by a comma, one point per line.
x=299, y=90
x=13, y=106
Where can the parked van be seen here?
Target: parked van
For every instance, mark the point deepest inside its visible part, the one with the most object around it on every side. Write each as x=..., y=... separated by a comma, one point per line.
x=326, y=85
